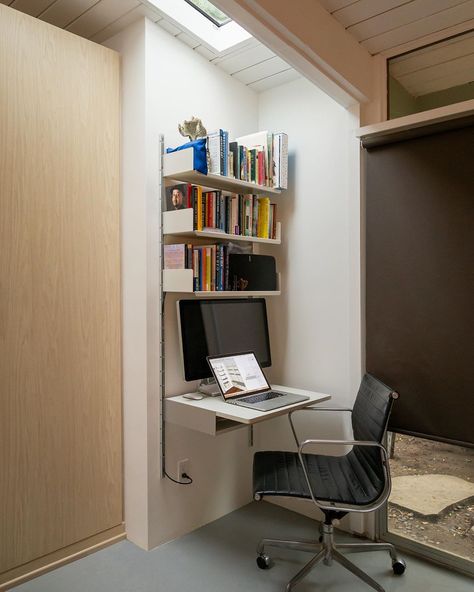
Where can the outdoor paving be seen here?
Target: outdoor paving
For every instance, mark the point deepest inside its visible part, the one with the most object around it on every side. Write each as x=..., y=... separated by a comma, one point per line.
x=429, y=495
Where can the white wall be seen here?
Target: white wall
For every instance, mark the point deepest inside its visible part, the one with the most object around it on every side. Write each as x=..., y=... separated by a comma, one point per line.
x=164, y=83
x=312, y=318
x=315, y=324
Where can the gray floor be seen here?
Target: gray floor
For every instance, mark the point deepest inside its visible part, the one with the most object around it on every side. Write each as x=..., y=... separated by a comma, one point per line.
x=220, y=557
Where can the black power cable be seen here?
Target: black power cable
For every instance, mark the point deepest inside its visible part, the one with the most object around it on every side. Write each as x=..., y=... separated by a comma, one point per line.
x=184, y=476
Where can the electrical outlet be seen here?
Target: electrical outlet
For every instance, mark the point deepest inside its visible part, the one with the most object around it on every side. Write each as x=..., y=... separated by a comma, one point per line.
x=183, y=467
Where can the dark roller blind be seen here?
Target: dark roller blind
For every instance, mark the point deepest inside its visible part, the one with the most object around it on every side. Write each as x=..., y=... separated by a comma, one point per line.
x=420, y=281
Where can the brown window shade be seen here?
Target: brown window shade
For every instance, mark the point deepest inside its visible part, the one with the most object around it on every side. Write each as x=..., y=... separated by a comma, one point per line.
x=420, y=281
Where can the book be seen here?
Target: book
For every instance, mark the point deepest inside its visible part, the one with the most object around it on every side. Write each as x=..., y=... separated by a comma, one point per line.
x=234, y=150
x=263, y=219
x=199, y=205
x=196, y=267
x=174, y=256
x=273, y=210
x=176, y=197
x=280, y=155
x=225, y=153
x=214, y=149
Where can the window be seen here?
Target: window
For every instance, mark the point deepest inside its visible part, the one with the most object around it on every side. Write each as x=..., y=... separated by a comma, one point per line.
x=210, y=11
x=190, y=16
x=433, y=76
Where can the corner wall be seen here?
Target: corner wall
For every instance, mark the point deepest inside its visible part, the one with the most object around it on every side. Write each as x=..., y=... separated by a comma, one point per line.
x=315, y=324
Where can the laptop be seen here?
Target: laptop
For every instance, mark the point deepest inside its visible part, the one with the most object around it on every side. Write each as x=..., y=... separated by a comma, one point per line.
x=242, y=382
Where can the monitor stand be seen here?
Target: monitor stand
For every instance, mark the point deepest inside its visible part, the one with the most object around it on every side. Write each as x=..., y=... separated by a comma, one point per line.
x=208, y=387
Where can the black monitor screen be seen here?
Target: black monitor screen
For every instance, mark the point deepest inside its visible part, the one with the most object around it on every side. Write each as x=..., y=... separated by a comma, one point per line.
x=224, y=326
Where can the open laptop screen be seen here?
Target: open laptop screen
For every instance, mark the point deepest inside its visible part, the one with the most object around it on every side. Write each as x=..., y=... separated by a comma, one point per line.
x=238, y=374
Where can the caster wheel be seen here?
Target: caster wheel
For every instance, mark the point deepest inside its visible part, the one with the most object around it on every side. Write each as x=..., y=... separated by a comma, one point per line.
x=264, y=562
x=399, y=566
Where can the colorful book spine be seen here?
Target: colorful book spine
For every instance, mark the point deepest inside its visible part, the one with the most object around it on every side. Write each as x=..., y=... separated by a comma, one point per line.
x=199, y=225
x=196, y=269
x=234, y=150
x=225, y=152
x=263, y=221
x=254, y=215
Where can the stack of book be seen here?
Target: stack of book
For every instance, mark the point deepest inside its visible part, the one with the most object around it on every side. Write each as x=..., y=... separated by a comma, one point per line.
x=241, y=215
x=260, y=158
x=210, y=264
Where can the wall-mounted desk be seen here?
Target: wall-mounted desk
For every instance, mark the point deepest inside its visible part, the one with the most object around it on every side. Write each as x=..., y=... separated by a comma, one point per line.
x=214, y=416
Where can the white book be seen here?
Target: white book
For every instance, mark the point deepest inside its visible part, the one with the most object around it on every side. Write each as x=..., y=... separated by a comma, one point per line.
x=214, y=148
x=276, y=161
x=280, y=156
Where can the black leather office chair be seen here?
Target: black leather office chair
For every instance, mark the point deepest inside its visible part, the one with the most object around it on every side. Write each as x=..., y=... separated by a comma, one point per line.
x=356, y=482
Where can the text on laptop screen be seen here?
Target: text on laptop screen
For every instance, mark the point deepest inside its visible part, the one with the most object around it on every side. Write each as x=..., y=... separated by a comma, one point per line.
x=238, y=375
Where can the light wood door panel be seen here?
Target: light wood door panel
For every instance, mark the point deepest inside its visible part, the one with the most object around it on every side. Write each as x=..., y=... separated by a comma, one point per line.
x=60, y=364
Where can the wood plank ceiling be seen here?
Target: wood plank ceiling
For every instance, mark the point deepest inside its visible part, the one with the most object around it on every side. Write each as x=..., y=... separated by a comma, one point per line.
x=393, y=27
x=389, y=27
x=437, y=67
x=251, y=63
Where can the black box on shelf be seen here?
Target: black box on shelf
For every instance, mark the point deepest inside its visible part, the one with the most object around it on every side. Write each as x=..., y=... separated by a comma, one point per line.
x=249, y=272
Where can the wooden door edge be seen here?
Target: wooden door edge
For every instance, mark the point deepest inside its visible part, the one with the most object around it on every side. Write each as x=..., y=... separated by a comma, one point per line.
x=37, y=567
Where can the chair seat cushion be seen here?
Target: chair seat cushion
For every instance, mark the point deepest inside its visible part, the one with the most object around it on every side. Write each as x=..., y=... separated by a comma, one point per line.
x=348, y=479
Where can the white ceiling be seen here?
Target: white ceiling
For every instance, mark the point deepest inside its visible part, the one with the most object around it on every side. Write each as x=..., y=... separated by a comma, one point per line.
x=392, y=27
x=381, y=26
x=437, y=67
x=251, y=62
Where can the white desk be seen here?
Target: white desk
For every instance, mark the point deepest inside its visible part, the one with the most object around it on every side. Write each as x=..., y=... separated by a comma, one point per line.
x=214, y=416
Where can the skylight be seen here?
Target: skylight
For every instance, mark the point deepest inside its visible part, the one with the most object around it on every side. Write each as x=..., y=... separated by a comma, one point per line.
x=210, y=11
x=189, y=17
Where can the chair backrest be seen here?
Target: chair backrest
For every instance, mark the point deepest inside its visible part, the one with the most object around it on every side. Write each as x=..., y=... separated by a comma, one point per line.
x=369, y=421
x=372, y=409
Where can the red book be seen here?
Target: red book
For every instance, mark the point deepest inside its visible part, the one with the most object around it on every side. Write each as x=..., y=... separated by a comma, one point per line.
x=189, y=200
x=261, y=167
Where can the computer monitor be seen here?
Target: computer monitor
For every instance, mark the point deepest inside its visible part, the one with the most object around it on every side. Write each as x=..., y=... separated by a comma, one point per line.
x=210, y=327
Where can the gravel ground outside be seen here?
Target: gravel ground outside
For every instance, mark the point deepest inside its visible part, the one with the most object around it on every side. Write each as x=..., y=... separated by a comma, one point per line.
x=453, y=529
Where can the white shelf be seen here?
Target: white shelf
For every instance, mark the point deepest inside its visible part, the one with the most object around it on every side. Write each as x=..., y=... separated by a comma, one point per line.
x=213, y=416
x=179, y=167
x=181, y=281
x=181, y=223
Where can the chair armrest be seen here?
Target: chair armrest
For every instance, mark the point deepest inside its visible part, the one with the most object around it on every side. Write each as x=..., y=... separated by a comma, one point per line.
x=311, y=409
x=369, y=443
x=342, y=443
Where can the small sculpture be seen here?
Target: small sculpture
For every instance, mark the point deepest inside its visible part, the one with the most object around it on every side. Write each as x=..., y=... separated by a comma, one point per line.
x=242, y=284
x=193, y=128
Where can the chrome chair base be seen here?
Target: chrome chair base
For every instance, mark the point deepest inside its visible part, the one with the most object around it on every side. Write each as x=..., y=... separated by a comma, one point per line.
x=327, y=551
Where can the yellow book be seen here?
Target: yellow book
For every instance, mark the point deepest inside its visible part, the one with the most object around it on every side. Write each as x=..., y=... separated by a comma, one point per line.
x=263, y=217
x=199, y=208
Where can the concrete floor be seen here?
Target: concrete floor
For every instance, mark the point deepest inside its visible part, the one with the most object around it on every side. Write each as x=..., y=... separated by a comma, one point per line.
x=220, y=557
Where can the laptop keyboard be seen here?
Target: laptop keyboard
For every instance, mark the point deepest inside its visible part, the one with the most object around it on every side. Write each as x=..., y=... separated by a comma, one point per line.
x=261, y=397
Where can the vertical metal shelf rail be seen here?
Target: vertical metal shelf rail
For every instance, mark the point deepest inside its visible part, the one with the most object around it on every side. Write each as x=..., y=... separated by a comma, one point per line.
x=161, y=197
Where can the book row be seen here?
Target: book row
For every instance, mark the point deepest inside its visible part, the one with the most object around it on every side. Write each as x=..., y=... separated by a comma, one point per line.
x=238, y=215
x=210, y=265
x=260, y=158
